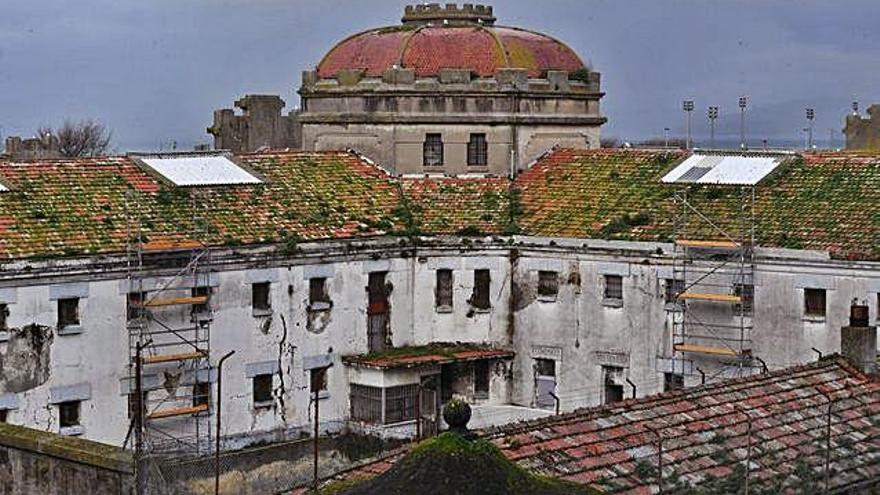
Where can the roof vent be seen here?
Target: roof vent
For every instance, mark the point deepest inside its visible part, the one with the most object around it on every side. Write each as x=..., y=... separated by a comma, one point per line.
x=197, y=169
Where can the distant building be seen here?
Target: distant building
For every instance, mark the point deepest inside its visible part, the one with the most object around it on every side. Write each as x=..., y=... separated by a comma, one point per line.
x=262, y=125
x=32, y=148
x=863, y=133
x=447, y=91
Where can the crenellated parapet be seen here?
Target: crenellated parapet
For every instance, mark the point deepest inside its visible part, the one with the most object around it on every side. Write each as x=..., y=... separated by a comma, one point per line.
x=448, y=14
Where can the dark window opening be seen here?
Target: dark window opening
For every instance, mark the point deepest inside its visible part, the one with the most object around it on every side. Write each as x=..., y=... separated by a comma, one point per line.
x=366, y=403
x=672, y=381
x=481, y=379
x=443, y=292
x=318, y=380
x=4, y=415
x=674, y=287
x=613, y=386
x=201, y=292
x=545, y=383
x=262, y=388
x=201, y=394
x=814, y=302
x=68, y=414
x=482, y=282
x=613, y=287
x=477, y=150
x=318, y=291
x=746, y=293
x=400, y=403
x=134, y=305
x=548, y=284
x=545, y=367
x=134, y=403
x=260, y=299
x=4, y=315
x=68, y=312
x=432, y=151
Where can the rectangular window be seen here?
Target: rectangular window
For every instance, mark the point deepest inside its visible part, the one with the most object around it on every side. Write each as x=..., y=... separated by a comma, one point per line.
x=262, y=385
x=134, y=304
x=432, y=151
x=613, y=378
x=477, y=150
x=746, y=293
x=318, y=292
x=548, y=284
x=4, y=315
x=318, y=380
x=672, y=381
x=614, y=287
x=400, y=403
x=68, y=312
x=68, y=414
x=4, y=415
x=545, y=383
x=674, y=287
x=260, y=300
x=814, y=302
x=443, y=291
x=201, y=394
x=482, y=282
x=481, y=379
x=366, y=403
x=134, y=403
x=201, y=292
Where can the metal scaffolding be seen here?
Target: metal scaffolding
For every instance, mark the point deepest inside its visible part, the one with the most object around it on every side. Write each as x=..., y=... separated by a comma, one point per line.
x=169, y=326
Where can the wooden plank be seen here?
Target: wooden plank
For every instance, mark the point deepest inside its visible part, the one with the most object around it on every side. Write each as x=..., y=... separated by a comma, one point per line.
x=168, y=358
x=707, y=244
x=153, y=246
x=702, y=349
x=181, y=411
x=701, y=296
x=175, y=301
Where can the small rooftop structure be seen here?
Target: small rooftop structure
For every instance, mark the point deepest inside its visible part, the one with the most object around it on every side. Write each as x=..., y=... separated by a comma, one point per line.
x=740, y=169
x=434, y=354
x=198, y=169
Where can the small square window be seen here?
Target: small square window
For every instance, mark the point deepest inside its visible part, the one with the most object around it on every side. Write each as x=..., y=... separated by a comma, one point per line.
x=318, y=296
x=260, y=300
x=814, y=302
x=4, y=316
x=613, y=287
x=674, y=287
x=317, y=380
x=4, y=415
x=68, y=414
x=481, y=379
x=672, y=381
x=68, y=312
x=443, y=292
x=262, y=389
x=548, y=284
x=477, y=150
x=482, y=283
x=432, y=151
x=201, y=394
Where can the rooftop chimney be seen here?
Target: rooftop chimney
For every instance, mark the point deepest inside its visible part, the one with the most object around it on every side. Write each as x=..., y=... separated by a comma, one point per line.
x=858, y=341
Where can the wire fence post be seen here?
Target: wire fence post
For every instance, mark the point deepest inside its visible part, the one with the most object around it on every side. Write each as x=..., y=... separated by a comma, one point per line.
x=659, y=456
x=748, y=445
x=826, y=483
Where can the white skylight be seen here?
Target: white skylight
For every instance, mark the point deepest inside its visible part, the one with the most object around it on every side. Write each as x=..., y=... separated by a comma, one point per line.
x=199, y=170
x=732, y=169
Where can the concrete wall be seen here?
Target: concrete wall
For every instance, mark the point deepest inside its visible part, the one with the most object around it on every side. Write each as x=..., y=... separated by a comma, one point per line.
x=578, y=329
x=863, y=133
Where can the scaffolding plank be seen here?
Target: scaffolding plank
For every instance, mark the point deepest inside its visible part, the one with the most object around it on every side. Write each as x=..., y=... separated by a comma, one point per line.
x=176, y=301
x=703, y=296
x=180, y=411
x=154, y=246
x=707, y=244
x=169, y=358
x=704, y=349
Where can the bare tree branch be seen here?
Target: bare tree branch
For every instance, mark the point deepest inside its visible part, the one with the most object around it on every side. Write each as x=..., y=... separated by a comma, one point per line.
x=78, y=139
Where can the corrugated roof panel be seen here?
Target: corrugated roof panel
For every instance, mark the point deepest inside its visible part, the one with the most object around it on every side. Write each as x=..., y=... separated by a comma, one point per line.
x=724, y=169
x=200, y=170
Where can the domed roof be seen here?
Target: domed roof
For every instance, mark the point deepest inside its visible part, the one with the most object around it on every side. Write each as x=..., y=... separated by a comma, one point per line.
x=430, y=43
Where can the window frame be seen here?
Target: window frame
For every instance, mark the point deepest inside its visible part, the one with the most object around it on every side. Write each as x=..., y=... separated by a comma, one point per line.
x=482, y=378
x=432, y=150
x=444, y=290
x=481, y=297
x=366, y=403
x=68, y=316
x=319, y=296
x=319, y=381
x=201, y=397
x=261, y=389
x=477, y=150
x=548, y=285
x=673, y=287
x=404, y=396
x=612, y=292
x=70, y=414
x=4, y=317
x=261, y=297
x=811, y=306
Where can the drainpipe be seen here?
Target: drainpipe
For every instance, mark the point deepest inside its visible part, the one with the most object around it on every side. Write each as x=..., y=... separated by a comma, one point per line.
x=217, y=437
x=556, y=398
x=633, y=385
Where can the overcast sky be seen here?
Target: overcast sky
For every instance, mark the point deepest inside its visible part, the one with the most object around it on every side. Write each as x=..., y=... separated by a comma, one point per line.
x=155, y=70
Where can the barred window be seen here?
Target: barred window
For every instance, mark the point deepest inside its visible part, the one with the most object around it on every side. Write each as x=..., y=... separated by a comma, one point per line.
x=613, y=287
x=746, y=293
x=482, y=282
x=477, y=150
x=432, y=151
x=548, y=284
x=443, y=292
x=366, y=403
x=674, y=287
x=400, y=403
x=814, y=302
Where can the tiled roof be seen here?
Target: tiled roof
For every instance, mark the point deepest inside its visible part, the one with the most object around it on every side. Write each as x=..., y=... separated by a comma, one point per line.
x=437, y=353
x=68, y=207
x=705, y=436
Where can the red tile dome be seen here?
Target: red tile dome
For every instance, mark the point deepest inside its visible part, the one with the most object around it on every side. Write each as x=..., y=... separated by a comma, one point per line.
x=429, y=47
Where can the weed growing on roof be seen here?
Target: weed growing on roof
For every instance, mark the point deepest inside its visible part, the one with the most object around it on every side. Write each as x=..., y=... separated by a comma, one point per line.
x=469, y=231
x=624, y=223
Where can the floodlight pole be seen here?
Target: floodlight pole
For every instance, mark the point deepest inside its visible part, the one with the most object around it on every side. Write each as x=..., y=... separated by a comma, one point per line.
x=688, y=107
x=743, y=101
x=665, y=137
x=811, y=115
x=713, y=114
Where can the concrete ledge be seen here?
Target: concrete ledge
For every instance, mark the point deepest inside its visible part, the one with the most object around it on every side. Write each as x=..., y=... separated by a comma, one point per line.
x=71, y=449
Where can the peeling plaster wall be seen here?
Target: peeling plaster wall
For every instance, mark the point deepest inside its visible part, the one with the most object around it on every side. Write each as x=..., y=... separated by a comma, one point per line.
x=578, y=329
